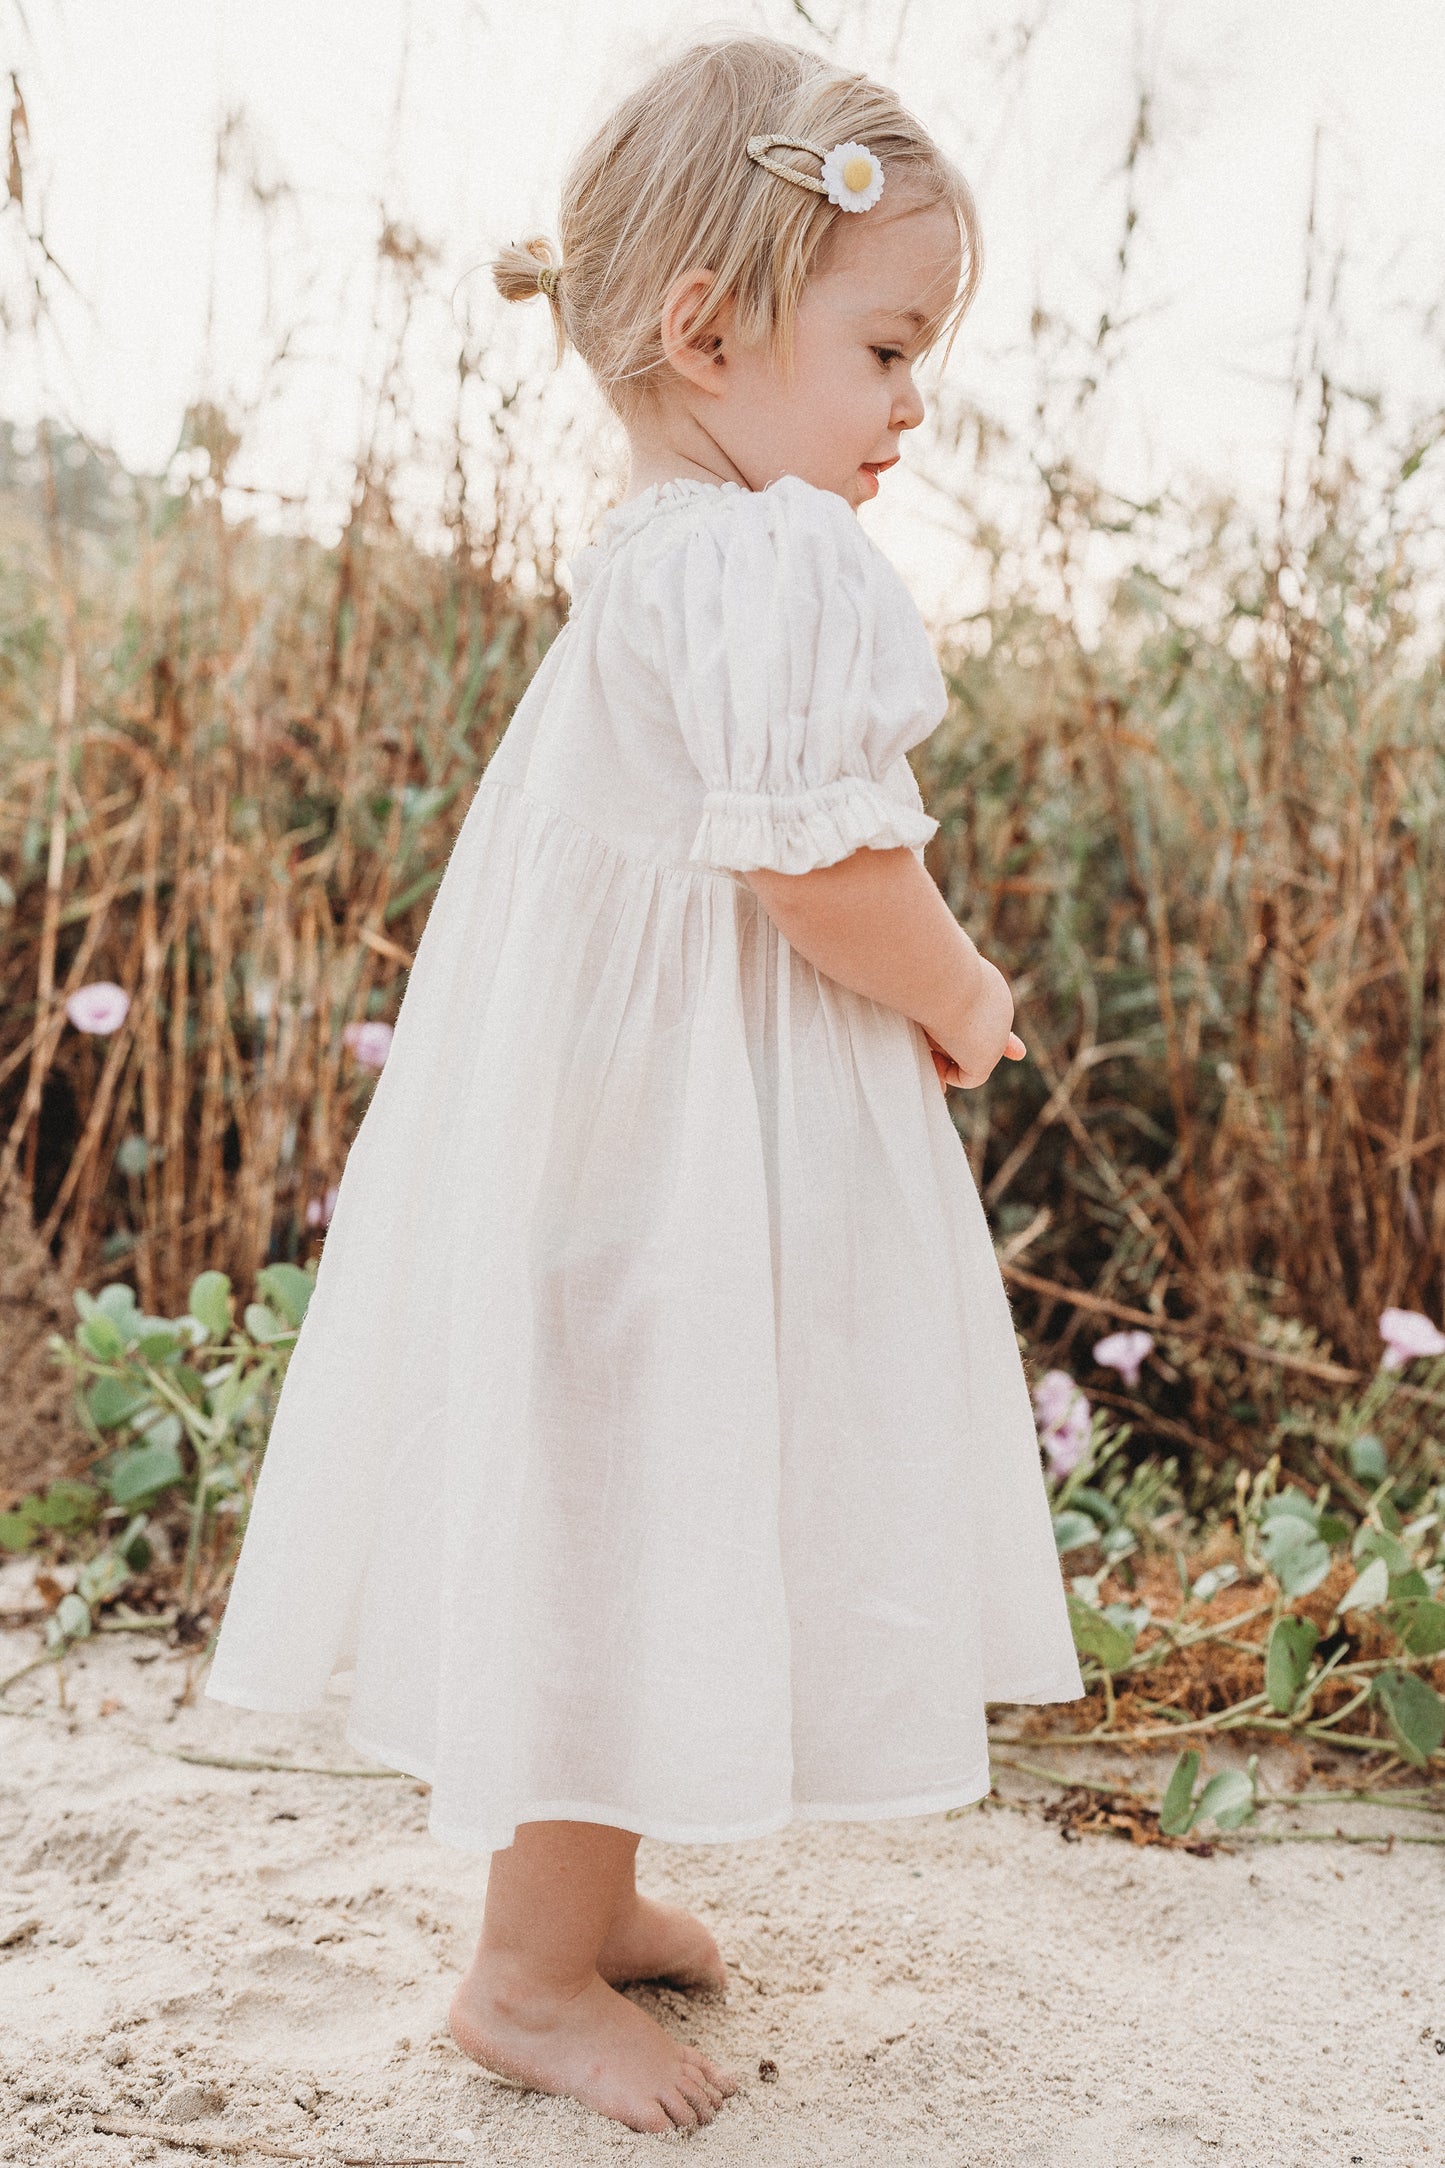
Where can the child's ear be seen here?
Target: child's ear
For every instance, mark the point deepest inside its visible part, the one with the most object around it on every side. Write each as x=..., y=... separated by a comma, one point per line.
x=699, y=359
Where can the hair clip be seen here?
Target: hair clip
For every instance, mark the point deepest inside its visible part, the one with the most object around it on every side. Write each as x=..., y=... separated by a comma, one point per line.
x=547, y=279
x=852, y=177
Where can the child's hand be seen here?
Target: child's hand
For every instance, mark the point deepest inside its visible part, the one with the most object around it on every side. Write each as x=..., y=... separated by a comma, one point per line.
x=950, y=1076
x=985, y=1039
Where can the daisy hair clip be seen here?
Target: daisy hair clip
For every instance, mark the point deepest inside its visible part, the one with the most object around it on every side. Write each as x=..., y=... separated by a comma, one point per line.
x=851, y=177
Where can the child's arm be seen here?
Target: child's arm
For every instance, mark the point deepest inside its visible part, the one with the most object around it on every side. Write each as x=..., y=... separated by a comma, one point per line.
x=876, y=923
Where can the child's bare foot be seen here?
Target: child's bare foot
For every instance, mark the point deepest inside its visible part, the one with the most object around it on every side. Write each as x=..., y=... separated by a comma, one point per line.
x=591, y=2044
x=649, y=1941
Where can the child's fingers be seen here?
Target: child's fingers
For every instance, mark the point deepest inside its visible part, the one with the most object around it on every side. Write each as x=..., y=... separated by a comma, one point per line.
x=950, y=1076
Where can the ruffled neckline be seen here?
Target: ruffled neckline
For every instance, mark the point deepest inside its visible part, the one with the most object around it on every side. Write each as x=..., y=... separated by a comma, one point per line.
x=656, y=497
x=634, y=512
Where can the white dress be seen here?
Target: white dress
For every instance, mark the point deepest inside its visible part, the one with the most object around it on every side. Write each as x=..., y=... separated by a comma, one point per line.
x=656, y=1449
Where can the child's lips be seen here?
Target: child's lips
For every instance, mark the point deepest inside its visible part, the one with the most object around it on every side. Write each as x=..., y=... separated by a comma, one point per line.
x=879, y=466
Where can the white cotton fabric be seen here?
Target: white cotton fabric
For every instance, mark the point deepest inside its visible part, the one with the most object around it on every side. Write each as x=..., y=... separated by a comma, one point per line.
x=656, y=1449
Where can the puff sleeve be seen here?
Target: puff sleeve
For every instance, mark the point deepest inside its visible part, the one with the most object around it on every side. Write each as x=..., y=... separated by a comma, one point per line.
x=801, y=673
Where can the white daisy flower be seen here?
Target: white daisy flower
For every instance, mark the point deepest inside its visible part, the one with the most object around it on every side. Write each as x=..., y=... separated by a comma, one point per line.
x=852, y=177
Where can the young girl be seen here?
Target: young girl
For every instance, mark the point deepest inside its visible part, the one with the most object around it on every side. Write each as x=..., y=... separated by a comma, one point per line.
x=656, y=1454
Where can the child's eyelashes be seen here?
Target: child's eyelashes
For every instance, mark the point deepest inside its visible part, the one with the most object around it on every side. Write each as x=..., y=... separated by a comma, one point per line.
x=887, y=354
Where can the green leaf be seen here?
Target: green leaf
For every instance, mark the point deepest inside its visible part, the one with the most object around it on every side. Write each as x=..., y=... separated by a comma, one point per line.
x=1110, y=1644
x=1291, y=1544
x=69, y=1621
x=102, y=1577
x=288, y=1289
x=137, y=1474
x=1283, y=1534
x=1176, y=1815
x=1420, y=1623
x=1414, y=1712
x=1287, y=1661
x=1073, y=1529
x=1368, y=1590
x=1212, y=1580
x=164, y=1431
x=1379, y=1543
x=158, y=1347
x=264, y=1325
x=1291, y=1504
x=210, y=1301
x=1367, y=1459
x=1303, y=1567
x=232, y=1396
x=1103, y=1509
x=112, y=1401
x=65, y=1505
x=1227, y=1799
x=1403, y=1585
x=117, y=1300
x=1331, y=1529
x=100, y=1336
x=17, y=1530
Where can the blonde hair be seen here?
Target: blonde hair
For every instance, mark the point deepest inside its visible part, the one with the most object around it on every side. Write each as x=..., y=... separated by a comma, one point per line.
x=666, y=186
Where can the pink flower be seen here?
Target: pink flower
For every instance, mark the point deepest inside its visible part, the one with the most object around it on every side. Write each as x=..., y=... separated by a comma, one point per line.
x=100, y=1007
x=319, y=1211
x=1052, y=1395
x=370, y=1043
x=1064, y=1420
x=1124, y=1352
x=1408, y=1334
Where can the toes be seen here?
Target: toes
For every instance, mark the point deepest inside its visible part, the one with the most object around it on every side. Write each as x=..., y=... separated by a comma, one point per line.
x=655, y=2121
x=701, y=2096
x=721, y=2079
x=683, y=2114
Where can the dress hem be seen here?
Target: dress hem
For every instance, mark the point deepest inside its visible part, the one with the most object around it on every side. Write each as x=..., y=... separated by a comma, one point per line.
x=474, y=1838
x=1035, y=1695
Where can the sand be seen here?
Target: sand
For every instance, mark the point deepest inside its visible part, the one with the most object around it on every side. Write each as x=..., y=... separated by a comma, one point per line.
x=966, y=1991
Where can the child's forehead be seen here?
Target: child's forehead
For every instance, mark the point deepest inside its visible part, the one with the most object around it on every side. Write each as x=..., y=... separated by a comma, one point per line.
x=908, y=264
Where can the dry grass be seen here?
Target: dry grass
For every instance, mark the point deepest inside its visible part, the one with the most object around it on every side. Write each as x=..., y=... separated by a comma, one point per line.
x=1210, y=855
x=1208, y=845
x=269, y=747
x=1213, y=856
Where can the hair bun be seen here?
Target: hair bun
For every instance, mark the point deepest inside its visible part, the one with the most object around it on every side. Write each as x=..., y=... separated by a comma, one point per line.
x=524, y=269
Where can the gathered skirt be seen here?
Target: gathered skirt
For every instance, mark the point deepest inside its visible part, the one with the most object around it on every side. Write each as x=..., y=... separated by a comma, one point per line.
x=656, y=1449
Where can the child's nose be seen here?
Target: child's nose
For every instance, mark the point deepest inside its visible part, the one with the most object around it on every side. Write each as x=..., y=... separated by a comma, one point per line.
x=908, y=407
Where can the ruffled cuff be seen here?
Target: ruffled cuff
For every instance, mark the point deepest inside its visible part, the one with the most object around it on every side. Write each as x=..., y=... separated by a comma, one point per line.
x=741, y=830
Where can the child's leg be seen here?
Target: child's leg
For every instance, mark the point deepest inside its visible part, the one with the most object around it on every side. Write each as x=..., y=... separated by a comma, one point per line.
x=652, y=1941
x=534, y=2005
